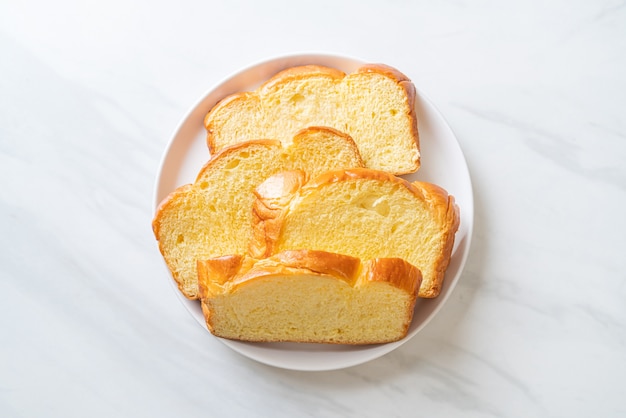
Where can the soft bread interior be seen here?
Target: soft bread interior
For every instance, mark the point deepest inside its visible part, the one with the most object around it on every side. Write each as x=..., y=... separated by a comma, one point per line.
x=212, y=216
x=348, y=302
x=374, y=105
x=362, y=213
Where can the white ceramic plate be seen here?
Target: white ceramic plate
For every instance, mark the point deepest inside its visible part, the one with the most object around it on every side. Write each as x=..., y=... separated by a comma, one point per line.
x=442, y=163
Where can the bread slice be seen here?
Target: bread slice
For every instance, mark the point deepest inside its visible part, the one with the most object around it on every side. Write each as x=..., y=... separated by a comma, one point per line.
x=359, y=212
x=308, y=296
x=374, y=105
x=212, y=216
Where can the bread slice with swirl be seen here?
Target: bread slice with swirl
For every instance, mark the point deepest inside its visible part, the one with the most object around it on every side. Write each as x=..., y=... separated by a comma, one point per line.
x=374, y=105
x=362, y=213
x=212, y=216
x=308, y=296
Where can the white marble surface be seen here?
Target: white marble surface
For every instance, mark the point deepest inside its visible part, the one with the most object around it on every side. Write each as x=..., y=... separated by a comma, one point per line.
x=90, y=93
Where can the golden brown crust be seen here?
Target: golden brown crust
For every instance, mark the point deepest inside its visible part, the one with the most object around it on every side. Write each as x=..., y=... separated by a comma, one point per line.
x=304, y=262
x=299, y=73
x=275, y=188
x=207, y=316
x=384, y=69
x=272, y=196
x=338, y=265
x=237, y=269
x=219, y=269
x=397, y=272
x=336, y=176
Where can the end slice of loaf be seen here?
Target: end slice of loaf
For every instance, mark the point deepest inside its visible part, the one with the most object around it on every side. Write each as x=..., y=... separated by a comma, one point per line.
x=375, y=105
x=359, y=212
x=308, y=296
x=211, y=217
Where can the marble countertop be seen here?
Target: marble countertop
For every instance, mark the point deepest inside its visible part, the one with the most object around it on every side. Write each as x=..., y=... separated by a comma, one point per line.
x=90, y=95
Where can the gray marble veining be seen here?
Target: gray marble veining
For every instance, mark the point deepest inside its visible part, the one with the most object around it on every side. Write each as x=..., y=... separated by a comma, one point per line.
x=89, y=96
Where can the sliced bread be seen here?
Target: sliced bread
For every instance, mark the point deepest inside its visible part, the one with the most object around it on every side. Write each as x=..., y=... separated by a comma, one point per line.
x=211, y=217
x=308, y=296
x=374, y=105
x=358, y=212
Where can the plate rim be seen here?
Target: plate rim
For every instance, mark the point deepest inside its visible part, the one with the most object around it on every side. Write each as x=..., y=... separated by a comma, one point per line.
x=378, y=350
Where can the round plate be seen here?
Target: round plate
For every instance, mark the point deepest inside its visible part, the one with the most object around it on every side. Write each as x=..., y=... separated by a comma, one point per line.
x=442, y=163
